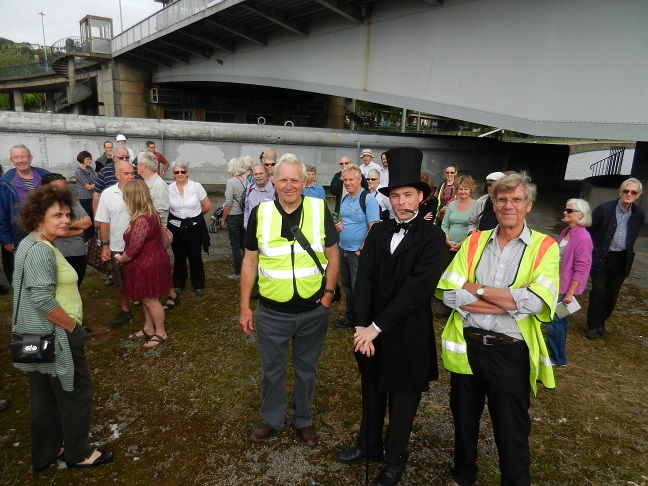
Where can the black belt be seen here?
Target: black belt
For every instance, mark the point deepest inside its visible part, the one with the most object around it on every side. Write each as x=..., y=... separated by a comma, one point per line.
x=490, y=340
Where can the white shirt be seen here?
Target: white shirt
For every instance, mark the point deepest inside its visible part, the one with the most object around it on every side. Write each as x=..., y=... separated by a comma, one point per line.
x=112, y=210
x=189, y=205
x=365, y=168
x=384, y=177
x=160, y=196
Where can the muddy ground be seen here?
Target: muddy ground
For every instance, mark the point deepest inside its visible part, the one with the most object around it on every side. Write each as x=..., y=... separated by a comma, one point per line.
x=179, y=414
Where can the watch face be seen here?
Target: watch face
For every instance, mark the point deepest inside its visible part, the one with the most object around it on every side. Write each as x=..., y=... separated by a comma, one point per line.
x=480, y=291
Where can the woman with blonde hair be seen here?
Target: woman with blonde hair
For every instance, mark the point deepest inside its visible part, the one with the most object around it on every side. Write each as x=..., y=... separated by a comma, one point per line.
x=146, y=267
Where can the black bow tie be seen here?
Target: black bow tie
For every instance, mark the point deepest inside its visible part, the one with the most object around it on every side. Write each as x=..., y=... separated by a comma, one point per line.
x=402, y=226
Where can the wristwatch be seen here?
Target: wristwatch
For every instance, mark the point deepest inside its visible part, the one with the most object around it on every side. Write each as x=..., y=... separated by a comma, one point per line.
x=480, y=291
x=329, y=291
x=105, y=243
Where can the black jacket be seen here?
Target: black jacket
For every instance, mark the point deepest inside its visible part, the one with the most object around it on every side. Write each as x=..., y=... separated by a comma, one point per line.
x=604, y=225
x=394, y=291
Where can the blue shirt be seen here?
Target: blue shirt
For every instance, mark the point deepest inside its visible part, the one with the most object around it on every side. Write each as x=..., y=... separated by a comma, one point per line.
x=355, y=222
x=618, y=242
x=315, y=191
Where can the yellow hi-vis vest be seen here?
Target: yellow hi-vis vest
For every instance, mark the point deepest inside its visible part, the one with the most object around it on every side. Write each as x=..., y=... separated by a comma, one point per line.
x=284, y=266
x=539, y=265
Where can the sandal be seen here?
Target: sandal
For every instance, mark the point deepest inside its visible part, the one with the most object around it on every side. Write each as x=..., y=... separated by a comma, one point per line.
x=156, y=340
x=137, y=303
x=169, y=306
x=136, y=336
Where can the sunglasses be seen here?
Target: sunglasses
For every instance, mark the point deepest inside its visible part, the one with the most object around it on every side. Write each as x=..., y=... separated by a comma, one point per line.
x=628, y=191
x=125, y=157
x=270, y=165
x=372, y=179
x=176, y=172
x=569, y=211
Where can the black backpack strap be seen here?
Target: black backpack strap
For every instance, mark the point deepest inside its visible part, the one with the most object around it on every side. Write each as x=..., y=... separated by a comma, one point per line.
x=305, y=244
x=363, y=202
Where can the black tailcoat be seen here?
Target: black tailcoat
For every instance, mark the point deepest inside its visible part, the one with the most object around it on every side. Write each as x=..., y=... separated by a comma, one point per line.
x=395, y=292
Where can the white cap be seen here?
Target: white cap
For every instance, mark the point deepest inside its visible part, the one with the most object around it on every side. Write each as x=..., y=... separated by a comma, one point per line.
x=120, y=137
x=494, y=176
x=366, y=152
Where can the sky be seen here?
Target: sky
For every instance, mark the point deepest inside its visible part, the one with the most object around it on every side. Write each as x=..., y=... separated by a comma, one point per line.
x=20, y=22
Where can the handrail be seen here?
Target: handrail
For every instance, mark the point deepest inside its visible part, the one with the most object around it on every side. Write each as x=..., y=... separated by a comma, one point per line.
x=70, y=45
x=25, y=70
x=610, y=165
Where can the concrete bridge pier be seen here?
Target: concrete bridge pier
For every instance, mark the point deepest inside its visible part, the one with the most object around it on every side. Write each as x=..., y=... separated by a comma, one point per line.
x=17, y=102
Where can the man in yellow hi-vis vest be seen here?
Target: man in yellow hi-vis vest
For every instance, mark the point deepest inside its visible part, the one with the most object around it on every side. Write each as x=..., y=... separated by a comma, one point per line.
x=501, y=285
x=294, y=296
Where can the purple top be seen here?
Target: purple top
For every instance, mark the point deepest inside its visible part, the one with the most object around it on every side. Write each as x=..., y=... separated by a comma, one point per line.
x=576, y=260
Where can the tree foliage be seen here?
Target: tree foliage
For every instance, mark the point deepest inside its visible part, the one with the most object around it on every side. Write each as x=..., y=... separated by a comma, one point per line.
x=12, y=54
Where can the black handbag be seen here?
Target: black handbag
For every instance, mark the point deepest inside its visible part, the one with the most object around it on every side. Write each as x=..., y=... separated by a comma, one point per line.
x=305, y=244
x=30, y=348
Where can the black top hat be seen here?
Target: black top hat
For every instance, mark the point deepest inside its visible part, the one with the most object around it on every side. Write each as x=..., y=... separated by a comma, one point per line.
x=405, y=170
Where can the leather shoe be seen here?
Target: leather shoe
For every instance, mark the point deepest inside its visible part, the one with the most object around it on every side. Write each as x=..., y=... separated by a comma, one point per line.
x=602, y=331
x=389, y=476
x=343, y=322
x=261, y=433
x=592, y=334
x=355, y=455
x=104, y=458
x=308, y=435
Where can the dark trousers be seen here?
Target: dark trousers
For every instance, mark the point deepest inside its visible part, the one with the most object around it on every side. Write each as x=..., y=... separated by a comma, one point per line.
x=236, y=235
x=402, y=410
x=186, y=248
x=606, y=284
x=8, y=263
x=60, y=418
x=501, y=374
x=348, y=272
x=79, y=263
x=87, y=205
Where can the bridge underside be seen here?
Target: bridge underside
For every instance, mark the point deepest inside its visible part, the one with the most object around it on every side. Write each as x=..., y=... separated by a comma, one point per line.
x=553, y=68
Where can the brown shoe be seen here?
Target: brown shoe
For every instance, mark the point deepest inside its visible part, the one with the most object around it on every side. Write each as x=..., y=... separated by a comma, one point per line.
x=261, y=433
x=308, y=435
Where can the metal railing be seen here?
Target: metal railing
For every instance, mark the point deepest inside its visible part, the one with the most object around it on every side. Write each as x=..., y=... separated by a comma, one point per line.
x=25, y=70
x=167, y=17
x=610, y=165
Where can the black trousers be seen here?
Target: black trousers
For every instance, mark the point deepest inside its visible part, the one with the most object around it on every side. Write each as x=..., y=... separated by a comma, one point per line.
x=402, y=410
x=501, y=374
x=87, y=205
x=8, y=263
x=60, y=418
x=236, y=234
x=187, y=247
x=606, y=284
x=79, y=263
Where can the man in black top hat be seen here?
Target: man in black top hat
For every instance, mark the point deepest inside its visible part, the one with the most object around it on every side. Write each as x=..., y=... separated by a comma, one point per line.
x=400, y=265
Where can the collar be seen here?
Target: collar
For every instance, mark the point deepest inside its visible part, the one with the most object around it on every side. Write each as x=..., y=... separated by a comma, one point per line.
x=619, y=207
x=525, y=236
x=408, y=220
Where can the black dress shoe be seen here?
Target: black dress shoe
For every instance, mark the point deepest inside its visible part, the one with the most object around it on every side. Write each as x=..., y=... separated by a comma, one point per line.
x=343, y=322
x=355, y=455
x=592, y=334
x=104, y=458
x=389, y=476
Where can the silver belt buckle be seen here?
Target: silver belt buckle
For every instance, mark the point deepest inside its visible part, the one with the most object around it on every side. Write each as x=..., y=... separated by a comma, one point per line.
x=485, y=339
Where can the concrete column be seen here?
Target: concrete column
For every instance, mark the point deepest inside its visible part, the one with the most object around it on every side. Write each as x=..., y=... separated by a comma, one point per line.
x=72, y=85
x=18, y=102
x=49, y=102
x=640, y=161
x=336, y=112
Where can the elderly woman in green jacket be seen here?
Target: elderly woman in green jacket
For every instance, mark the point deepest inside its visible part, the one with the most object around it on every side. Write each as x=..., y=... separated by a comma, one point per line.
x=46, y=300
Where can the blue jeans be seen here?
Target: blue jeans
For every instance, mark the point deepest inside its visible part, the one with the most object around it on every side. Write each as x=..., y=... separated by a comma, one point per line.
x=348, y=272
x=557, y=338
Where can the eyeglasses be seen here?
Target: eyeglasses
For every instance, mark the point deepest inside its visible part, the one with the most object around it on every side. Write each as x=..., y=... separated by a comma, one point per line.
x=20, y=157
x=628, y=191
x=125, y=157
x=516, y=201
x=570, y=210
x=371, y=179
x=176, y=172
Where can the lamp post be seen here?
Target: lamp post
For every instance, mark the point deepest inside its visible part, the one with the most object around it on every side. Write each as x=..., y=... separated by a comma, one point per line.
x=43, y=25
x=121, y=18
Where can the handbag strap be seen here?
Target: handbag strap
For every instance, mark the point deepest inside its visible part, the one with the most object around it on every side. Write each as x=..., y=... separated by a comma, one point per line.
x=305, y=244
x=22, y=279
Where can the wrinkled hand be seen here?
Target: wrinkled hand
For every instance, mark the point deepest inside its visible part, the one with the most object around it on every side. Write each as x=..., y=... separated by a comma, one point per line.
x=246, y=321
x=223, y=224
x=105, y=254
x=363, y=340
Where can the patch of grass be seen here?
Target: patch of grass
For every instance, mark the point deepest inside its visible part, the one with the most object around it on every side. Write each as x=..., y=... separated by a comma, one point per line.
x=179, y=414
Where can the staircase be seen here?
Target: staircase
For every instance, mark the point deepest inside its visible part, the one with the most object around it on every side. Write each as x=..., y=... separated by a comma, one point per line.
x=610, y=165
x=62, y=51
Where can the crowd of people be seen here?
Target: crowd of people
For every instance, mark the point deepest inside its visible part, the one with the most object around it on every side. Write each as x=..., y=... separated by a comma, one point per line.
x=394, y=240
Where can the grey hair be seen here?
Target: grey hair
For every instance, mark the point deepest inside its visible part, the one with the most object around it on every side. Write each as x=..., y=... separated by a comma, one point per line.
x=583, y=206
x=510, y=181
x=261, y=165
x=311, y=168
x=236, y=167
x=630, y=181
x=292, y=160
x=180, y=165
x=352, y=168
x=148, y=160
x=20, y=146
x=375, y=172
x=123, y=148
x=248, y=161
